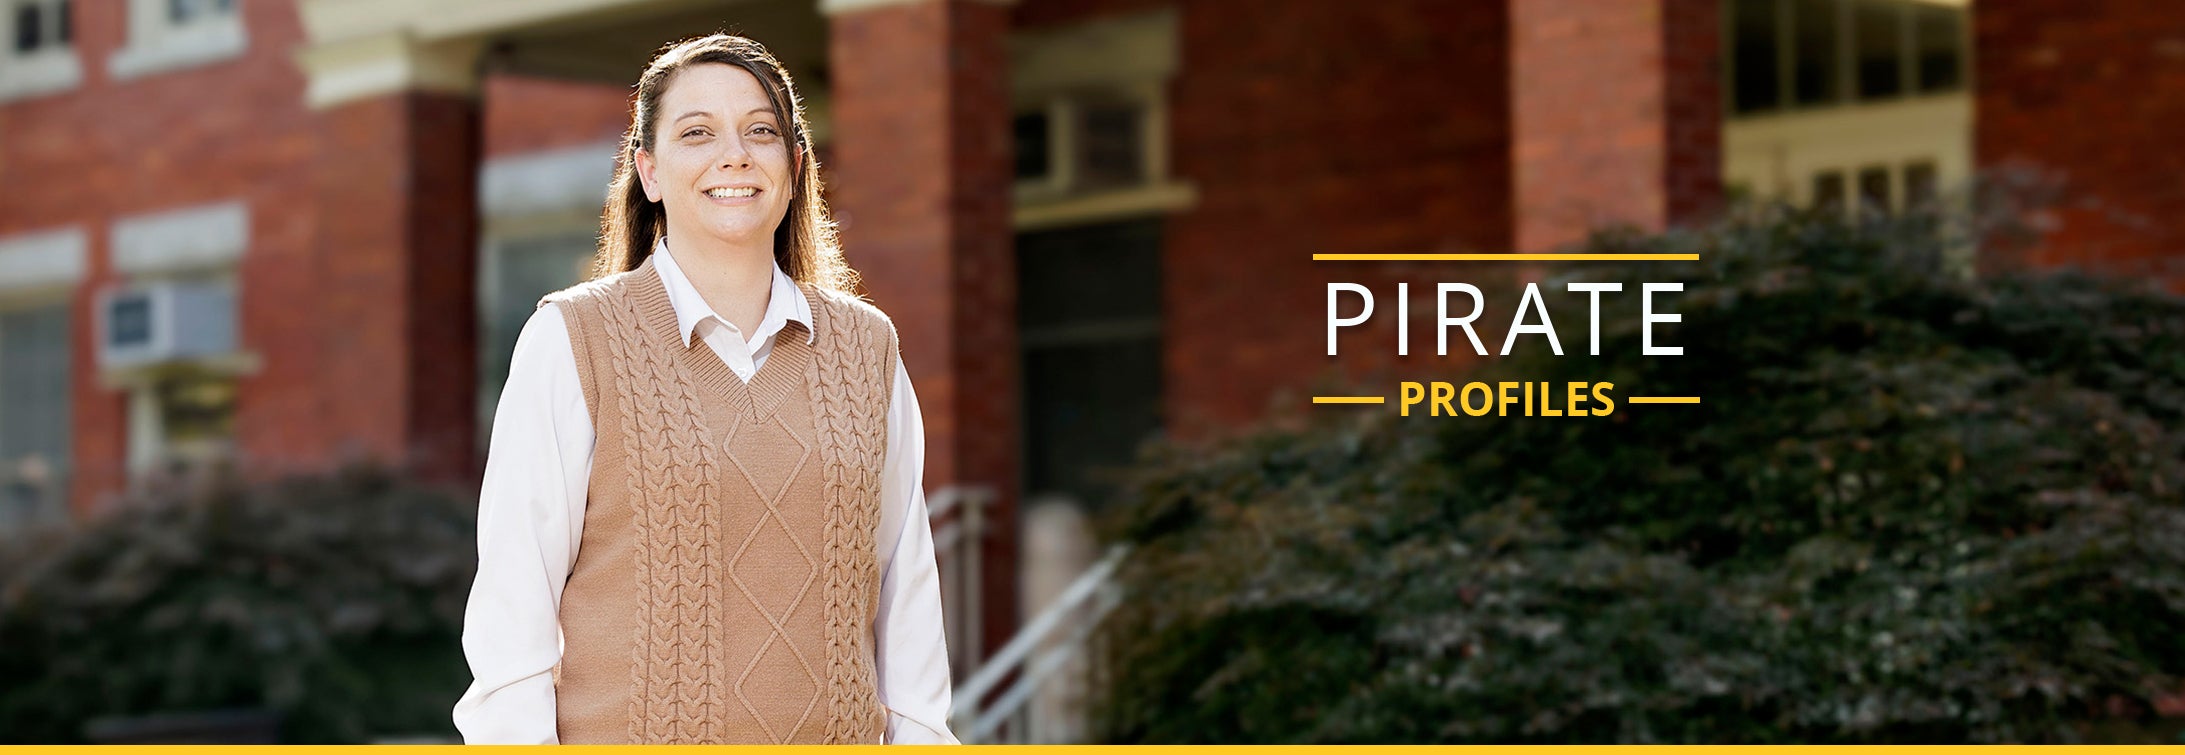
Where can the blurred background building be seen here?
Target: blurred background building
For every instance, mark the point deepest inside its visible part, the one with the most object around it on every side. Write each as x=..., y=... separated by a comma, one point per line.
x=286, y=234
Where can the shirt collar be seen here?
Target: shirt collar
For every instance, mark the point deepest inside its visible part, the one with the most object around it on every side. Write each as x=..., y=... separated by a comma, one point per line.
x=785, y=302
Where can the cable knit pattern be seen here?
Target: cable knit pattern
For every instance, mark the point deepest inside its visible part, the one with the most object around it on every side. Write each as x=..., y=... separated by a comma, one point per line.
x=671, y=470
x=728, y=576
x=850, y=391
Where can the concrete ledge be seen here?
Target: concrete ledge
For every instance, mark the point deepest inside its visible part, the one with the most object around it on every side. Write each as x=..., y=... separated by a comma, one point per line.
x=191, y=238
x=210, y=42
x=1152, y=199
x=45, y=72
x=355, y=69
x=42, y=260
x=562, y=179
x=1124, y=50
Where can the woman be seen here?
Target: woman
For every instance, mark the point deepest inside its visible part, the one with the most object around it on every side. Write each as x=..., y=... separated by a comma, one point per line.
x=702, y=518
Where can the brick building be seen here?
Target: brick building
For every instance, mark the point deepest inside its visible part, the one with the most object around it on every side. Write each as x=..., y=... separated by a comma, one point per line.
x=286, y=234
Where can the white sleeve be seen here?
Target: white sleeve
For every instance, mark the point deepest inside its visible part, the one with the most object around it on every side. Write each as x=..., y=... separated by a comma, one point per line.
x=911, y=646
x=530, y=520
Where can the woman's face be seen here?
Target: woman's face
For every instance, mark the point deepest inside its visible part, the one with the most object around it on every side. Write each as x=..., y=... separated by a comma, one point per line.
x=720, y=162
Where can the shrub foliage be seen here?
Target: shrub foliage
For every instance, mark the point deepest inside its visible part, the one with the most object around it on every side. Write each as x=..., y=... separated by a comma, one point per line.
x=1915, y=506
x=335, y=602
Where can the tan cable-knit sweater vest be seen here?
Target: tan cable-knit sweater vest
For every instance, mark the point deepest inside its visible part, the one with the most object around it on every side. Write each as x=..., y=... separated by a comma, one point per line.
x=727, y=579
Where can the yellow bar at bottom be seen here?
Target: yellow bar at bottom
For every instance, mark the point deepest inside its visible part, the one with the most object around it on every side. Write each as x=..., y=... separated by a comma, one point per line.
x=1124, y=749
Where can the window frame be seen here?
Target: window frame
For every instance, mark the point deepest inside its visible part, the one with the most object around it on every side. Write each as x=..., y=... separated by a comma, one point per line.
x=158, y=43
x=1842, y=64
x=40, y=270
x=55, y=505
x=47, y=69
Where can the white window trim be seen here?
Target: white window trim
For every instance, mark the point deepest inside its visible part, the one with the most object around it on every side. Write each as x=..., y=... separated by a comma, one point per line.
x=44, y=71
x=1136, y=57
x=201, y=237
x=547, y=181
x=158, y=45
x=41, y=261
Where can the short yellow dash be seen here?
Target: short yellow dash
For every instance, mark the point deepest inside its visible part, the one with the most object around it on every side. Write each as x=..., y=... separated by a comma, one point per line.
x=1350, y=399
x=1511, y=257
x=1663, y=399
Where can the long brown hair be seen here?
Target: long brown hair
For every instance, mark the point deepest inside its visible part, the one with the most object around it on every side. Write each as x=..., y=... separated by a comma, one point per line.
x=805, y=245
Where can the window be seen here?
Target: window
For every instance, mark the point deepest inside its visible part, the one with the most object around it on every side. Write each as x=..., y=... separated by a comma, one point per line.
x=1814, y=51
x=1785, y=54
x=1874, y=190
x=1112, y=150
x=1089, y=315
x=167, y=35
x=1879, y=26
x=1938, y=35
x=41, y=25
x=169, y=340
x=1921, y=187
x=34, y=414
x=167, y=332
x=1879, y=188
x=181, y=12
x=40, y=56
x=1091, y=121
x=1033, y=146
x=1755, y=73
x=1084, y=142
x=516, y=274
x=1828, y=190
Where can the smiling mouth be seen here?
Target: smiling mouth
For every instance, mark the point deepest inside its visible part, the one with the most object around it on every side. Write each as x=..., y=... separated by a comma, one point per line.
x=728, y=193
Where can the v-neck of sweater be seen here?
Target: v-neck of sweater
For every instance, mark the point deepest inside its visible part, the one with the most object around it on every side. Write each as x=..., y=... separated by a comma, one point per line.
x=770, y=383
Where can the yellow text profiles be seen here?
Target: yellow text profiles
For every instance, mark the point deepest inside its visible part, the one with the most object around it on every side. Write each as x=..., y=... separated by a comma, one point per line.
x=1506, y=398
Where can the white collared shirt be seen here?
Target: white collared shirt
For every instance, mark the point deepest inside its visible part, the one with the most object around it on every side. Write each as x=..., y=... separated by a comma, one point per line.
x=531, y=520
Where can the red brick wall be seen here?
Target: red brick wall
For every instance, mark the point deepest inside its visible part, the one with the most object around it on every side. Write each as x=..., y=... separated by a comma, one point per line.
x=525, y=114
x=394, y=183
x=1618, y=113
x=239, y=129
x=2046, y=71
x=1321, y=127
x=1692, y=72
x=1402, y=126
x=112, y=149
x=920, y=185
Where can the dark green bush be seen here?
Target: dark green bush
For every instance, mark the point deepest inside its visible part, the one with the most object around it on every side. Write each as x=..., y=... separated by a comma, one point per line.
x=1916, y=506
x=335, y=602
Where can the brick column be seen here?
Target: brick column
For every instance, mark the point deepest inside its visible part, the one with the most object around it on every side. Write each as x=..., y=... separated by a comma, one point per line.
x=2084, y=99
x=396, y=201
x=922, y=181
x=1616, y=116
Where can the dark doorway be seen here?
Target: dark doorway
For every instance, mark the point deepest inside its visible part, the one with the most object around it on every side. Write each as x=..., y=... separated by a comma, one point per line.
x=1089, y=313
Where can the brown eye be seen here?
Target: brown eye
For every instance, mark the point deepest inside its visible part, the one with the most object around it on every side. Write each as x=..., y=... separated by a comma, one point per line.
x=767, y=130
x=694, y=132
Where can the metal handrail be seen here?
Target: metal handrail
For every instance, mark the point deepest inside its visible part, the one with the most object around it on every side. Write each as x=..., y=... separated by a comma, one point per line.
x=1016, y=655
x=957, y=544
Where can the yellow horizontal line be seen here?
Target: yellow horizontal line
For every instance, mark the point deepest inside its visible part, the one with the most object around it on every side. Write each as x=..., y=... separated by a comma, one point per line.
x=1497, y=257
x=417, y=749
x=1350, y=399
x=1663, y=399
